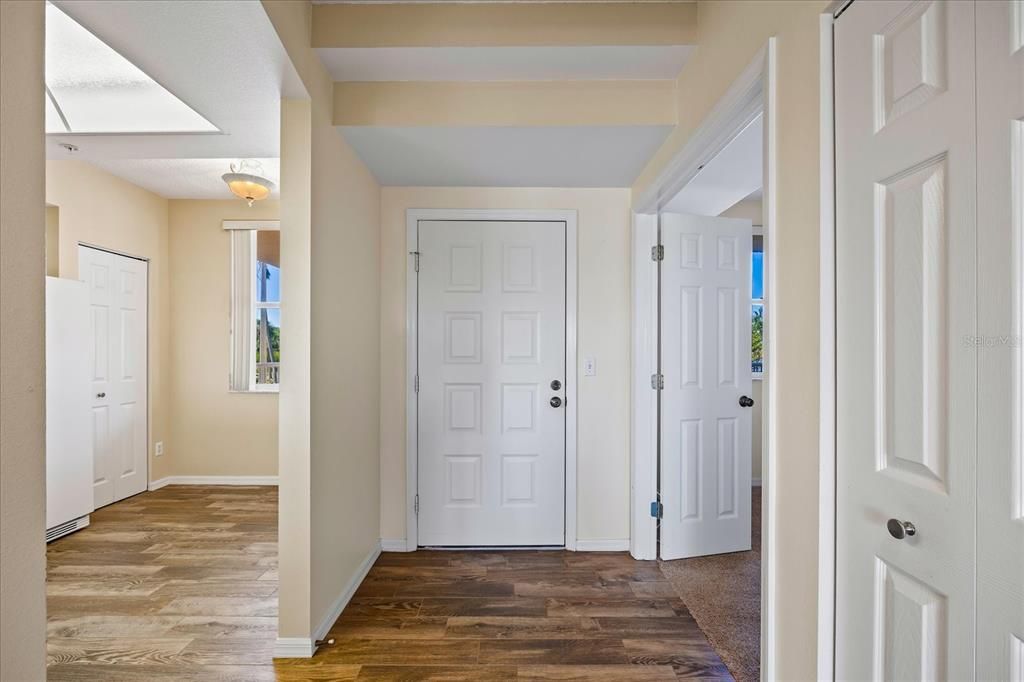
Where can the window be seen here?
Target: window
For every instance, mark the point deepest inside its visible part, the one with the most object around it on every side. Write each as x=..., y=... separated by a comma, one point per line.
x=757, y=308
x=255, y=307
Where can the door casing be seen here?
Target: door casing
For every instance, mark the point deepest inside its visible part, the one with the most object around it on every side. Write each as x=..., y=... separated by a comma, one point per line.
x=413, y=216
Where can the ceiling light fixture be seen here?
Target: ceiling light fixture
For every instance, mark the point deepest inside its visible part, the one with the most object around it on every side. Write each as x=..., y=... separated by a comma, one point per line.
x=247, y=182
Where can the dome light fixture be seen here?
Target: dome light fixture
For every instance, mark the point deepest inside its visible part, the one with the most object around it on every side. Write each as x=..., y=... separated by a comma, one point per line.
x=246, y=181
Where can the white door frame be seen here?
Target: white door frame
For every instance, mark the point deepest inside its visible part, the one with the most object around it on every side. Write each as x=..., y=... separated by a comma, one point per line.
x=412, y=218
x=751, y=94
x=149, y=382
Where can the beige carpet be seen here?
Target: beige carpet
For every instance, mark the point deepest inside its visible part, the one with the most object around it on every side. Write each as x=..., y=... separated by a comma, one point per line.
x=723, y=592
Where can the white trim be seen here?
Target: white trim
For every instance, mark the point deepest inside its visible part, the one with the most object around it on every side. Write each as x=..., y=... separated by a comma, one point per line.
x=347, y=592
x=607, y=545
x=413, y=216
x=826, y=358
x=643, y=460
x=393, y=545
x=294, y=647
x=212, y=480
x=740, y=105
x=251, y=224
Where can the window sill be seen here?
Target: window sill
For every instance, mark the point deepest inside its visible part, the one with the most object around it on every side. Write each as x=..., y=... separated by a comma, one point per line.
x=272, y=390
x=757, y=377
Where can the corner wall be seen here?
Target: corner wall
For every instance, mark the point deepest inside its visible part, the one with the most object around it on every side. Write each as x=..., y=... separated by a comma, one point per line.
x=22, y=380
x=731, y=33
x=603, y=325
x=329, y=455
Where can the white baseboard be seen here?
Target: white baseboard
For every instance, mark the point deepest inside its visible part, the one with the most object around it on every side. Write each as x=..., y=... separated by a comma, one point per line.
x=302, y=647
x=294, y=647
x=393, y=545
x=212, y=480
x=755, y=483
x=609, y=545
x=346, y=594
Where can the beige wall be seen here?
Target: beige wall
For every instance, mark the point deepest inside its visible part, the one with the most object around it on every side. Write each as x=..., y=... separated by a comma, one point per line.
x=52, y=241
x=731, y=33
x=101, y=209
x=213, y=432
x=22, y=382
x=751, y=209
x=329, y=452
x=603, y=333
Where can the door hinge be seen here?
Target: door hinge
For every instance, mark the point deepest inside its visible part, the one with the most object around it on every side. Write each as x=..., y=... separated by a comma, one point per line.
x=657, y=510
x=416, y=384
x=657, y=381
x=416, y=505
x=415, y=260
x=658, y=253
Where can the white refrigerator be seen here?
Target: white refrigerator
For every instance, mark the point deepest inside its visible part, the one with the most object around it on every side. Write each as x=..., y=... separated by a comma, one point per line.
x=69, y=448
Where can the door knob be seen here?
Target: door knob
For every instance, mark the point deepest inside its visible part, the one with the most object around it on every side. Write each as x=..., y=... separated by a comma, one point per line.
x=746, y=402
x=900, y=529
x=556, y=402
x=101, y=395
x=555, y=385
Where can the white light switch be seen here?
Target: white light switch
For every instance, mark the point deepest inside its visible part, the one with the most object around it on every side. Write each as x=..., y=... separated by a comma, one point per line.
x=159, y=448
x=589, y=367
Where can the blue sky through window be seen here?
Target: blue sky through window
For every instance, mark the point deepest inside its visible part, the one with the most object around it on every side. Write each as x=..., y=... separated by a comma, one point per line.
x=758, y=275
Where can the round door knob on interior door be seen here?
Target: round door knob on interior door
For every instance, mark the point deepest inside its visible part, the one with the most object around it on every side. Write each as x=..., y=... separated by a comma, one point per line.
x=556, y=385
x=556, y=402
x=900, y=529
x=101, y=395
x=746, y=402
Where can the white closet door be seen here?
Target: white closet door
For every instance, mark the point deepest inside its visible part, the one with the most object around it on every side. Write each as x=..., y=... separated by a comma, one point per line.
x=906, y=272
x=118, y=367
x=491, y=415
x=1000, y=77
x=705, y=360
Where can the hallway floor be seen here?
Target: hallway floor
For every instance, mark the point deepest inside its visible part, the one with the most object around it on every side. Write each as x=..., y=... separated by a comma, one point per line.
x=181, y=584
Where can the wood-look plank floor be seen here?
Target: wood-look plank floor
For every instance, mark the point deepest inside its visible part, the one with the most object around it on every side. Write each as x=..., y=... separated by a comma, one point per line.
x=181, y=584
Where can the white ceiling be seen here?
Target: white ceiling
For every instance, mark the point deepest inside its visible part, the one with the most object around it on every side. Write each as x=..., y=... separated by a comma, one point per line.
x=184, y=178
x=221, y=57
x=732, y=175
x=584, y=156
x=504, y=63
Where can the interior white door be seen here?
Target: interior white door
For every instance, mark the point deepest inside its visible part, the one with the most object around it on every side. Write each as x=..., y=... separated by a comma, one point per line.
x=491, y=322
x=907, y=374
x=118, y=368
x=705, y=362
x=1000, y=90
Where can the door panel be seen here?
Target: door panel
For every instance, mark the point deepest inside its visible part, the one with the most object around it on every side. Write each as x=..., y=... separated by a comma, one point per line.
x=906, y=272
x=1000, y=346
x=705, y=360
x=491, y=342
x=118, y=356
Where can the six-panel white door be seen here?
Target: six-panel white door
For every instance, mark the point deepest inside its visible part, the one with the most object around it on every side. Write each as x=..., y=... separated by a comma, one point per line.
x=705, y=362
x=117, y=357
x=491, y=320
x=907, y=371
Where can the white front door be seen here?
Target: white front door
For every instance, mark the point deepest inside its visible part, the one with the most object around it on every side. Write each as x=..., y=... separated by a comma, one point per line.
x=491, y=395
x=117, y=358
x=907, y=372
x=705, y=364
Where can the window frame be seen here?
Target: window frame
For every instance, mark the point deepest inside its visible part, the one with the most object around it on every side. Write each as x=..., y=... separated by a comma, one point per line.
x=758, y=231
x=253, y=228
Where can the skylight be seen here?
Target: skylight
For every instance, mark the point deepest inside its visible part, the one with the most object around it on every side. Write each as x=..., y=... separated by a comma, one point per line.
x=93, y=89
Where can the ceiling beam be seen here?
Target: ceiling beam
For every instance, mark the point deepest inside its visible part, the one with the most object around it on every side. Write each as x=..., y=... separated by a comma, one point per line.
x=503, y=24
x=506, y=103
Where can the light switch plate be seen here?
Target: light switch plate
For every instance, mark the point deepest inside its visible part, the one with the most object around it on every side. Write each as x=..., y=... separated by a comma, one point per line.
x=159, y=448
x=589, y=367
